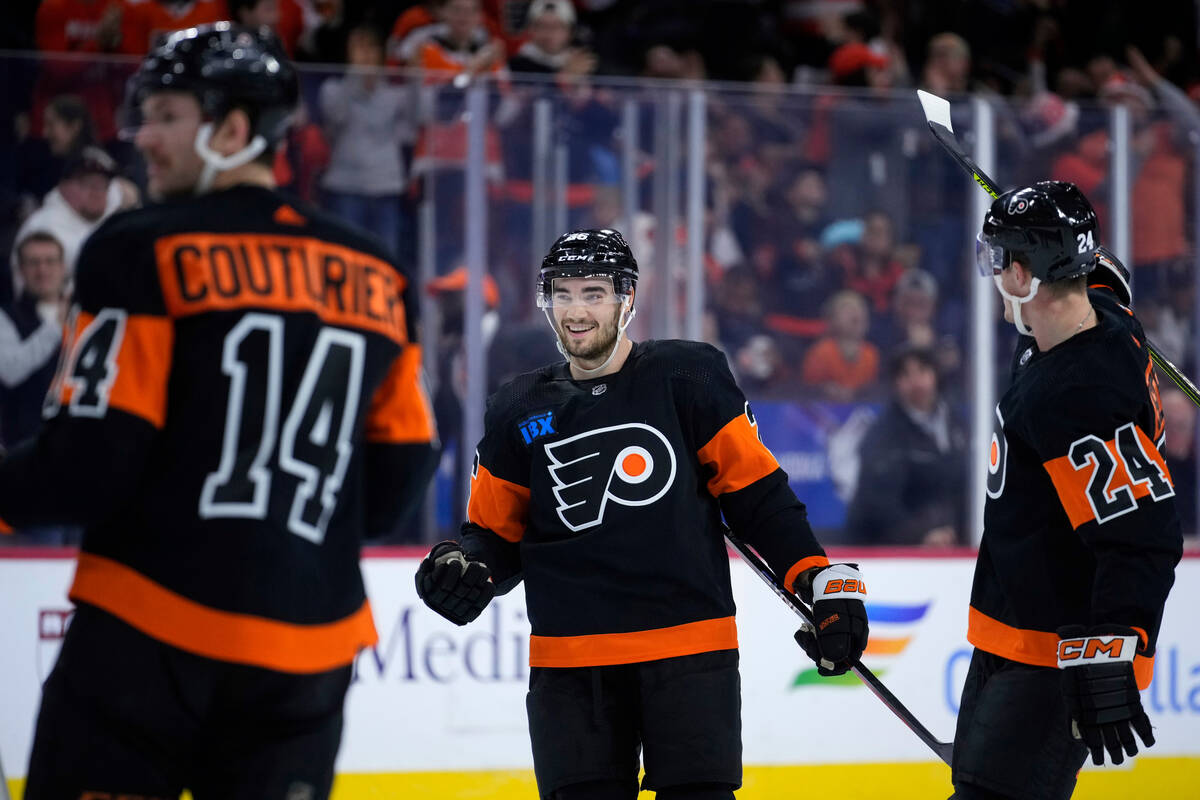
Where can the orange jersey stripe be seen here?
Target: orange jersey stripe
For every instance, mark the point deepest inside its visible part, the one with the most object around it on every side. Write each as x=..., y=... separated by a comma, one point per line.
x=1072, y=482
x=220, y=272
x=223, y=635
x=789, y=580
x=496, y=504
x=400, y=410
x=629, y=648
x=142, y=366
x=736, y=456
x=1039, y=648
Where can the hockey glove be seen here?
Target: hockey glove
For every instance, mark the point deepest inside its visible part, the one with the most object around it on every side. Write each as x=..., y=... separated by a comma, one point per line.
x=1101, y=692
x=455, y=587
x=839, y=636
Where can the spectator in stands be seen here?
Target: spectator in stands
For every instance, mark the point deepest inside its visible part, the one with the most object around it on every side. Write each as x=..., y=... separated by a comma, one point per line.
x=738, y=317
x=843, y=366
x=947, y=64
x=144, y=22
x=67, y=126
x=913, y=464
x=66, y=129
x=78, y=26
x=367, y=121
x=549, y=49
x=870, y=266
x=1180, y=453
x=30, y=332
x=913, y=322
x=84, y=197
x=464, y=47
x=285, y=17
x=416, y=25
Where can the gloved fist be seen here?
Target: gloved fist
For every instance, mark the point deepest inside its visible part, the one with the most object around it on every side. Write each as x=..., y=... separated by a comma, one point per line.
x=452, y=585
x=839, y=636
x=1100, y=689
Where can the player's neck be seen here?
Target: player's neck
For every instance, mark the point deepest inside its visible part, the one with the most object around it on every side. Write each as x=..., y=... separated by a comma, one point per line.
x=579, y=369
x=1060, y=318
x=251, y=174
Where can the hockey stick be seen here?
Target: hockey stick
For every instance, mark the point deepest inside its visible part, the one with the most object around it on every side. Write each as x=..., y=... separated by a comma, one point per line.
x=943, y=750
x=937, y=114
x=3, y=784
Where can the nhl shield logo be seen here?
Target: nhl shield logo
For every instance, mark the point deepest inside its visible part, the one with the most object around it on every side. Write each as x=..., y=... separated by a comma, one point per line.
x=631, y=465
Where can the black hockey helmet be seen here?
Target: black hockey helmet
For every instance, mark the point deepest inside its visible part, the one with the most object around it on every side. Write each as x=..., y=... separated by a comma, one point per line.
x=225, y=66
x=1050, y=227
x=589, y=252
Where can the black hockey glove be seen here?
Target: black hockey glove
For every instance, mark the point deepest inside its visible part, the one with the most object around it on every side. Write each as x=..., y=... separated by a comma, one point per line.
x=840, y=634
x=455, y=587
x=1101, y=692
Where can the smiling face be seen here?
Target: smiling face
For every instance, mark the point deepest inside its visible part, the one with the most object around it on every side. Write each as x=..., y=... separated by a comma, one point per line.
x=586, y=313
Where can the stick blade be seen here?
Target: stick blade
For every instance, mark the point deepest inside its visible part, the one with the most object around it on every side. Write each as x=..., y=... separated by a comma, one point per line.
x=937, y=109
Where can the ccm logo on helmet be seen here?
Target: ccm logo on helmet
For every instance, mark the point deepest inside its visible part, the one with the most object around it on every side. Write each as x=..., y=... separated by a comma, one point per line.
x=630, y=464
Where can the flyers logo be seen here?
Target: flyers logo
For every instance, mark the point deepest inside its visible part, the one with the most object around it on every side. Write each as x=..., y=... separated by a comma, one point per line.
x=631, y=464
x=997, y=458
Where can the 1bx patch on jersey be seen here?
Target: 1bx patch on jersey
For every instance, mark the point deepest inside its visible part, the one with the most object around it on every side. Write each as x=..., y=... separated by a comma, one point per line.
x=631, y=464
x=537, y=426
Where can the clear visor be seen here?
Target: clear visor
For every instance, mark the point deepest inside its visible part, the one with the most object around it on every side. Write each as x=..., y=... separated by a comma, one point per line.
x=594, y=290
x=989, y=258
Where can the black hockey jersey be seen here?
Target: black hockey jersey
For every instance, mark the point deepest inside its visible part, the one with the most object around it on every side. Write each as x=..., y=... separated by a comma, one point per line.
x=238, y=403
x=1080, y=525
x=606, y=496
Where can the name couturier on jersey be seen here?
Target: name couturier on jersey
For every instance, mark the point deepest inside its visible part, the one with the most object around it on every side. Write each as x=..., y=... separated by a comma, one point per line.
x=602, y=482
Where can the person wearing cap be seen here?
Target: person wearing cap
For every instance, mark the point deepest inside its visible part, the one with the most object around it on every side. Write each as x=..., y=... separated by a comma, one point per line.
x=85, y=196
x=550, y=25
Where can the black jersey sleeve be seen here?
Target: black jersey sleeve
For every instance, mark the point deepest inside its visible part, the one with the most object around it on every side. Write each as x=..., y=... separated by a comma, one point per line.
x=1097, y=443
x=756, y=500
x=498, y=508
x=109, y=395
x=402, y=441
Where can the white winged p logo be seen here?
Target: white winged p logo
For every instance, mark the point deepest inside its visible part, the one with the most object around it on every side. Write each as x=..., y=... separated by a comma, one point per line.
x=630, y=464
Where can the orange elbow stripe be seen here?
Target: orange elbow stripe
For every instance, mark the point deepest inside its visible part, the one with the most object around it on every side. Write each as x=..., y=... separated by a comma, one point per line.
x=736, y=456
x=1039, y=648
x=496, y=504
x=629, y=648
x=140, y=369
x=400, y=410
x=804, y=564
x=223, y=635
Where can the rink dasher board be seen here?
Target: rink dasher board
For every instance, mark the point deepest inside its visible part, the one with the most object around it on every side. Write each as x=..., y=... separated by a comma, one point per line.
x=431, y=696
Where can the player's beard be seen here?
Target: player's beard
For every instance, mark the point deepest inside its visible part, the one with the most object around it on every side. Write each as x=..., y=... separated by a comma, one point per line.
x=599, y=345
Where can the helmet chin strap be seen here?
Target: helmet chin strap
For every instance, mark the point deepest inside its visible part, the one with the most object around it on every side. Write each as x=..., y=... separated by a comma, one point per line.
x=1017, y=302
x=214, y=162
x=621, y=326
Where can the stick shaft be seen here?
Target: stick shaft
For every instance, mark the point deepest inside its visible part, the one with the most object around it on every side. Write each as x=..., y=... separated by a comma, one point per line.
x=943, y=750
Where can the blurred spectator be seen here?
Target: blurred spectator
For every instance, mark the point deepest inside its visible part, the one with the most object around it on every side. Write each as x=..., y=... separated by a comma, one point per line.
x=323, y=31
x=1180, y=453
x=947, y=65
x=913, y=322
x=913, y=464
x=143, y=22
x=462, y=48
x=869, y=266
x=842, y=366
x=66, y=129
x=663, y=61
x=367, y=120
x=285, y=17
x=738, y=315
x=78, y=26
x=84, y=197
x=549, y=49
x=30, y=331
x=412, y=28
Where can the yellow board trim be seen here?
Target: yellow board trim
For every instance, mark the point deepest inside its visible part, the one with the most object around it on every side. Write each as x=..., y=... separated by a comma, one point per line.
x=1149, y=777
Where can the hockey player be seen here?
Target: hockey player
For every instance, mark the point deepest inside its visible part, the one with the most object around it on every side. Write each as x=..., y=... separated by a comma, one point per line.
x=602, y=482
x=1081, y=536
x=237, y=405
